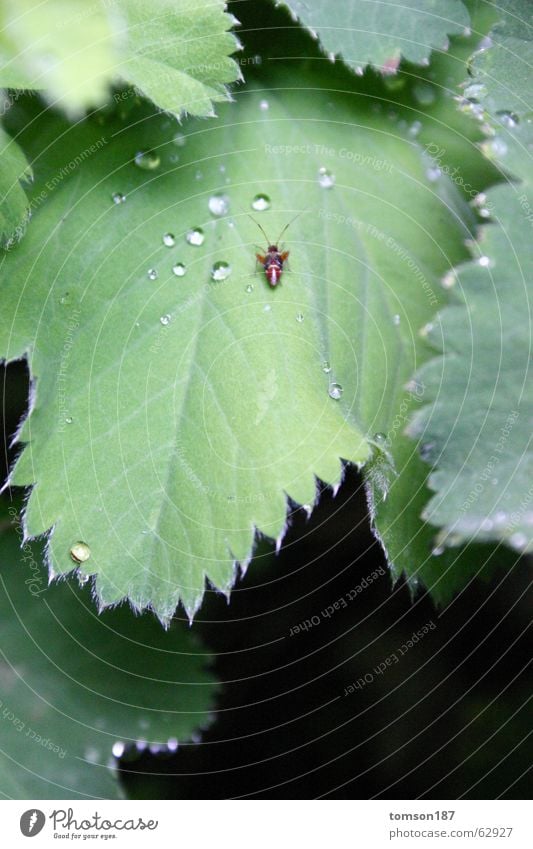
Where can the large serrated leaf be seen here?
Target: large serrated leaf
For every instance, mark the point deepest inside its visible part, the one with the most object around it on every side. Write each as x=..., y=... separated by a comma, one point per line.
x=175, y=54
x=14, y=209
x=370, y=32
x=74, y=683
x=172, y=416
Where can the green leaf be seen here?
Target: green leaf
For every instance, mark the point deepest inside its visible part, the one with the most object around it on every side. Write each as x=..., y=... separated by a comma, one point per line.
x=74, y=683
x=370, y=32
x=14, y=210
x=502, y=70
x=179, y=56
x=64, y=47
x=173, y=416
x=477, y=429
x=176, y=54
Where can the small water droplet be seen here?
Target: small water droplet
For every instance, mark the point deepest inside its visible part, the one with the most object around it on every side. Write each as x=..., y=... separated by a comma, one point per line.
x=118, y=749
x=174, y=158
x=195, y=236
x=64, y=299
x=152, y=274
x=475, y=91
x=326, y=180
x=169, y=240
x=218, y=205
x=165, y=319
x=118, y=197
x=414, y=129
x=220, y=270
x=396, y=319
x=326, y=368
x=426, y=329
x=179, y=269
x=299, y=317
x=508, y=119
x=335, y=391
x=198, y=175
x=267, y=308
x=494, y=148
x=147, y=160
x=264, y=105
x=179, y=140
x=449, y=280
x=485, y=262
x=172, y=744
x=359, y=70
x=433, y=173
x=501, y=518
x=261, y=202
x=69, y=420
x=518, y=541
x=380, y=438
x=438, y=550
x=249, y=289
x=80, y=552
x=426, y=451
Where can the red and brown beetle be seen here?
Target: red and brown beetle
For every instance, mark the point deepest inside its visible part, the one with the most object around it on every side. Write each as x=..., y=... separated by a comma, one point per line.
x=274, y=259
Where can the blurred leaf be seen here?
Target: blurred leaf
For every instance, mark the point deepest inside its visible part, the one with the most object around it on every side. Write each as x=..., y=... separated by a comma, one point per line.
x=74, y=683
x=502, y=71
x=176, y=54
x=370, y=32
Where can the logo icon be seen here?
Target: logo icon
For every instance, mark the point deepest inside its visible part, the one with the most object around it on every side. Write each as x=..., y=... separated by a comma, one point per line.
x=32, y=822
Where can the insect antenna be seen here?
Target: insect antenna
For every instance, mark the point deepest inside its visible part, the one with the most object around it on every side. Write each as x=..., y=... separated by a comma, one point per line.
x=289, y=224
x=258, y=224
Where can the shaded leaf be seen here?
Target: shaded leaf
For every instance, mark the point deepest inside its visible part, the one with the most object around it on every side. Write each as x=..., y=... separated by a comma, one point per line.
x=370, y=32
x=74, y=683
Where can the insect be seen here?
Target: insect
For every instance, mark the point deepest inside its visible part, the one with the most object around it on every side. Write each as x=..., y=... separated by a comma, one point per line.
x=274, y=259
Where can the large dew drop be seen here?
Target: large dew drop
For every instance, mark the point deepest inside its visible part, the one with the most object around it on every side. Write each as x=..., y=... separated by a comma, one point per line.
x=147, y=160
x=195, y=236
x=80, y=552
x=218, y=205
x=220, y=270
x=179, y=269
x=261, y=203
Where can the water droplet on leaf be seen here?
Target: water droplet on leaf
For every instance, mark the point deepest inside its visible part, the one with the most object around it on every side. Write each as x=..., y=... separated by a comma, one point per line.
x=147, y=160
x=218, y=205
x=335, y=391
x=220, y=270
x=152, y=274
x=165, y=319
x=118, y=197
x=326, y=179
x=261, y=202
x=179, y=269
x=80, y=552
x=169, y=240
x=195, y=236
